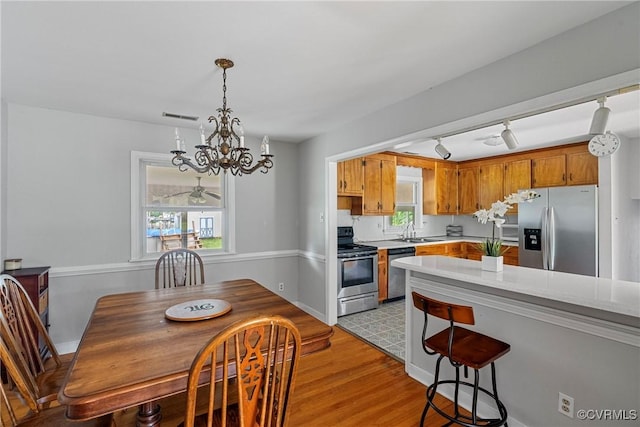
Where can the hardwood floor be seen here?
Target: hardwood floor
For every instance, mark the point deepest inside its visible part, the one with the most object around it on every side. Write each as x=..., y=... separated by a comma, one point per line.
x=350, y=384
x=354, y=384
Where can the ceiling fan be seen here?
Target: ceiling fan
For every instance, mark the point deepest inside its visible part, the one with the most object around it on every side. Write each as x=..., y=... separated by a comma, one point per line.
x=197, y=194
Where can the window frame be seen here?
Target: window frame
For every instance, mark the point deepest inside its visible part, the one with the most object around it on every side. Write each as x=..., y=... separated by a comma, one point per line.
x=417, y=223
x=139, y=160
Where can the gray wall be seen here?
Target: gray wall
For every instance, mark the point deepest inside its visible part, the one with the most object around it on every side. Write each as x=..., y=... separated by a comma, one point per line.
x=68, y=206
x=597, y=50
x=626, y=211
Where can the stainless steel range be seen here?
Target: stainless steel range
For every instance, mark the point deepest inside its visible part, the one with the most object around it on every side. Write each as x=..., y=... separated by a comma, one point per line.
x=357, y=274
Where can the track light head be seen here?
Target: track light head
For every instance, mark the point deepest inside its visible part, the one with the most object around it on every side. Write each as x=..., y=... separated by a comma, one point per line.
x=441, y=150
x=600, y=118
x=508, y=136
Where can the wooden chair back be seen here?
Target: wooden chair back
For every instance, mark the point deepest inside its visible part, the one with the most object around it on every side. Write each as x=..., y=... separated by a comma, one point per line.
x=16, y=369
x=25, y=326
x=453, y=313
x=257, y=359
x=179, y=267
x=443, y=310
x=35, y=414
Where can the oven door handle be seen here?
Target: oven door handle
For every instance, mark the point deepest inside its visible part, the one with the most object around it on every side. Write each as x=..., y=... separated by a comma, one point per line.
x=358, y=297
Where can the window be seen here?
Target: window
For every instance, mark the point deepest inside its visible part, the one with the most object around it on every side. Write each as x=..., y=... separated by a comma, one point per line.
x=174, y=209
x=408, y=204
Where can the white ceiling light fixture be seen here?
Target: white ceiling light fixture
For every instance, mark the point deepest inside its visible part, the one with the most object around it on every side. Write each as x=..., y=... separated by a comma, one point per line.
x=492, y=141
x=600, y=118
x=508, y=136
x=441, y=150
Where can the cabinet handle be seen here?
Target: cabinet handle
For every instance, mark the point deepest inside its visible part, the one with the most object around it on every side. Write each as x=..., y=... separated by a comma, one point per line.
x=345, y=185
x=570, y=177
x=563, y=178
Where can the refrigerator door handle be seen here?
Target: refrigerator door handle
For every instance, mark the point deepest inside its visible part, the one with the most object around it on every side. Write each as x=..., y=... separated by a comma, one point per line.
x=552, y=239
x=544, y=244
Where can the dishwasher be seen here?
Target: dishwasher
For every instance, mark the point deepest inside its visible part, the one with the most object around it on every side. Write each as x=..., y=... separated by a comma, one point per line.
x=397, y=275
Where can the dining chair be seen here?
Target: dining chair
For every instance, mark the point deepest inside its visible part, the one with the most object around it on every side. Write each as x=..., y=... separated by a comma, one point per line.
x=25, y=328
x=179, y=267
x=256, y=359
x=35, y=415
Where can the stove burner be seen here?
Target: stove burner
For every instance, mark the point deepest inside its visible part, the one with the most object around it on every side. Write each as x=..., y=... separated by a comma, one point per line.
x=346, y=245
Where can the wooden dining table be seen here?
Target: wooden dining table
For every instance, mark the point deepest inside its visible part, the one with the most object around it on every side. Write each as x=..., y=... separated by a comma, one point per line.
x=132, y=355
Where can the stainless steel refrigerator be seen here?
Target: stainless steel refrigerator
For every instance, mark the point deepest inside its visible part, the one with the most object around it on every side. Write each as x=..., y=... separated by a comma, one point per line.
x=559, y=230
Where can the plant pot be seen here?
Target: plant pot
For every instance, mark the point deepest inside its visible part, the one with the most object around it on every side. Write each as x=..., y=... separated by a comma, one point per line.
x=492, y=263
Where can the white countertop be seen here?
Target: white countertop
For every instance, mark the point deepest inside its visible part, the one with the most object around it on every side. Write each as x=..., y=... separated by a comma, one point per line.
x=614, y=300
x=388, y=244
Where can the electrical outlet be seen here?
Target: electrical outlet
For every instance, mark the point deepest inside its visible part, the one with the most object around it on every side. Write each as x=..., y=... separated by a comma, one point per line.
x=565, y=405
x=281, y=286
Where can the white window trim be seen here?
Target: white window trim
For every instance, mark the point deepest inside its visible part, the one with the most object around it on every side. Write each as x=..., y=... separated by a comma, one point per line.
x=388, y=228
x=137, y=183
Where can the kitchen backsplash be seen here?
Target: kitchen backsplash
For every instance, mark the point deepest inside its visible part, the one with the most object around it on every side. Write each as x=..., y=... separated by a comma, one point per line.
x=372, y=227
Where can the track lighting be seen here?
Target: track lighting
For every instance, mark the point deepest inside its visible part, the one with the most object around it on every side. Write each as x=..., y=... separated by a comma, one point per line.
x=442, y=152
x=600, y=118
x=508, y=136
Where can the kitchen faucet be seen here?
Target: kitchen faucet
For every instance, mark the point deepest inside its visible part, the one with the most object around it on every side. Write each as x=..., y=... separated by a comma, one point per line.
x=405, y=232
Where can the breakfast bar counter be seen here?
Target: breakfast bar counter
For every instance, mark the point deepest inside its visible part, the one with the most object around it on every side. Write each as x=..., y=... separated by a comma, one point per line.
x=570, y=334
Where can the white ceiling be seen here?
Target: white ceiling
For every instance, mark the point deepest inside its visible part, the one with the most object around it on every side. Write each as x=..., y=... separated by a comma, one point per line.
x=561, y=126
x=302, y=68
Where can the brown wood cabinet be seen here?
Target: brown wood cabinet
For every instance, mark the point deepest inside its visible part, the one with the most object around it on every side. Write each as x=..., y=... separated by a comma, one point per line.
x=351, y=177
x=468, y=189
x=446, y=249
x=439, y=186
x=379, y=195
x=439, y=249
x=517, y=176
x=491, y=184
x=446, y=188
x=582, y=169
x=456, y=250
x=549, y=171
x=574, y=167
x=511, y=256
x=383, y=275
x=35, y=280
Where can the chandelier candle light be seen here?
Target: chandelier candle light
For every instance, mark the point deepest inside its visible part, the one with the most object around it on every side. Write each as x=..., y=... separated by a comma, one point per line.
x=492, y=247
x=227, y=152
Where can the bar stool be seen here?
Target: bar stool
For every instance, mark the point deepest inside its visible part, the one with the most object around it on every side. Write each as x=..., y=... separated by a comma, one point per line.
x=463, y=348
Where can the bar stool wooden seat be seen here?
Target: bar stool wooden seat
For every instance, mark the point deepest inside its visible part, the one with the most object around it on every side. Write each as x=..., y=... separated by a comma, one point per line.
x=464, y=349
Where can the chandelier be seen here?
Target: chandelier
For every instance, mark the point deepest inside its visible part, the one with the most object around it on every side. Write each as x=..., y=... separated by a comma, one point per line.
x=224, y=149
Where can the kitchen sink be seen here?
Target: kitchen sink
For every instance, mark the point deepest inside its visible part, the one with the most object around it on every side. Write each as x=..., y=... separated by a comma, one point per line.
x=418, y=240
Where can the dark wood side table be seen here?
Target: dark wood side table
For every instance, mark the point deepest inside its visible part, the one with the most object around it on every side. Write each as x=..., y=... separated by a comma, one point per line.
x=35, y=280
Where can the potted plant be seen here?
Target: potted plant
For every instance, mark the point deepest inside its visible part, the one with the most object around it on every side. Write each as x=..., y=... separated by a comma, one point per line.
x=491, y=247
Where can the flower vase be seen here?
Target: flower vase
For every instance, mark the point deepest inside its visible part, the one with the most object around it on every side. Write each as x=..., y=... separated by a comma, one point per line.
x=492, y=263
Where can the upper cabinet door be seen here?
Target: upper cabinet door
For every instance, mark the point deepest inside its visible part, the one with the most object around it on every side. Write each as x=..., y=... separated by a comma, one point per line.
x=582, y=169
x=468, y=185
x=446, y=188
x=549, y=171
x=379, y=185
x=517, y=176
x=388, y=187
x=491, y=179
x=350, y=177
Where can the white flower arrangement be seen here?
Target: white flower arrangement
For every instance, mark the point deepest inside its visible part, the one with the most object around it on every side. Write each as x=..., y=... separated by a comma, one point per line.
x=492, y=246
